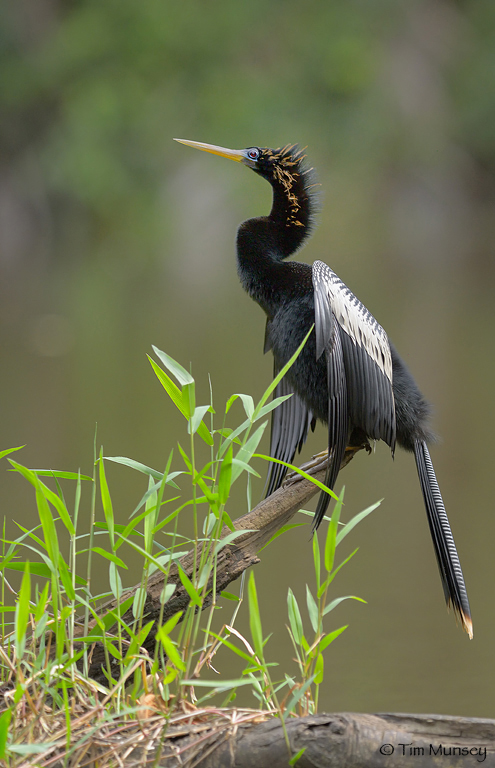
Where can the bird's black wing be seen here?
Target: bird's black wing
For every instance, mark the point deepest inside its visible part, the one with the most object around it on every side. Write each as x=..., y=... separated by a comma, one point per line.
x=291, y=421
x=359, y=368
x=366, y=353
x=329, y=340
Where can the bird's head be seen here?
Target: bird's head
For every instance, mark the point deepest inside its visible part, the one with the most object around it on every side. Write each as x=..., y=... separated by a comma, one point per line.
x=284, y=168
x=253, y=157
x=270, y=163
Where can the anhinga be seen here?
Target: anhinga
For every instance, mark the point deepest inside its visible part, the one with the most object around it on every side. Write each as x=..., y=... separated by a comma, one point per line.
x=348, y=374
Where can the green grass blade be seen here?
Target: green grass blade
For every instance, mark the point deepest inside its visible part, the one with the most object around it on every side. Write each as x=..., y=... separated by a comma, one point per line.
x=316, y=561
x=172, y=622
x=181, y=399
x=183, y=377
x=110, y=556
x=232, y=437
x=62, y=475
x=230, y=596
x=115, y=580
x=312, y=609
x=52, y=497
x=197, y=418
x=48, y=526
x=331, y=538
x=189, y=396
x=10, y=450
x=247, y=402
x=281, y=530
x=204, y=433
x=273, y=404
x=66, y=578
x=232, y=647
x=355, y=520
x=297, y=695
x=151, y=515
x=22, y=613
x=37, y=569
x=297, y=756
x=167, y=592
x=339, y=600
x=138, y=602
x=332, y=575
x=135, y=465
x=301, y=472
x=220, y=685
x=104, y=623
x=106, y=502
x=5, y=719
x=246, y=468
x=225, y=477
x=295, y=619
x=41, y=606
x=171, y=389
x=246, y=451
x=331, y=637
x=254, y=617
x=189, y=587
x=231, y=537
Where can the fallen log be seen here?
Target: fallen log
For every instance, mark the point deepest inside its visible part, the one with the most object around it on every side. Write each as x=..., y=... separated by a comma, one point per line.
x=348, y=740
x=250, y=739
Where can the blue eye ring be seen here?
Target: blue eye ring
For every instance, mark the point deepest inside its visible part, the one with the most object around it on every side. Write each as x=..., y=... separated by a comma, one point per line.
x=253, y=153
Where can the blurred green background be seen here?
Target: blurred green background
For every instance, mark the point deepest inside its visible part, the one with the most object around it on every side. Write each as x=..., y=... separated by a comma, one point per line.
x=113, y=237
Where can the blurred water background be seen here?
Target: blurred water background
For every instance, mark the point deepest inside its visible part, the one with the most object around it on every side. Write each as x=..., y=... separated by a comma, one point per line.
x=113, y=238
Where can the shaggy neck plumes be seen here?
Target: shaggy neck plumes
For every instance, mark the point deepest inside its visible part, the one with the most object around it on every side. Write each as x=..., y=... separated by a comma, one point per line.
x=263, y=243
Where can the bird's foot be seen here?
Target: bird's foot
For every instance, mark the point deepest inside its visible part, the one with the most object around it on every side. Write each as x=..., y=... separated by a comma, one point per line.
x=319, y=461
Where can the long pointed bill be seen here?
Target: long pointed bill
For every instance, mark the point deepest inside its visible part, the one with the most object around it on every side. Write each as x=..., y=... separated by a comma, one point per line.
x=233, y=154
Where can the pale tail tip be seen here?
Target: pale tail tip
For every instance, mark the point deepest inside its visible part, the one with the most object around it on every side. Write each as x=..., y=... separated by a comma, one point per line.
x=464, y=619
x=467, y=624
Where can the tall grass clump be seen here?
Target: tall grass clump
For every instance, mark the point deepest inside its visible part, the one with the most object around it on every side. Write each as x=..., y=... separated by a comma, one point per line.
x=51, y=622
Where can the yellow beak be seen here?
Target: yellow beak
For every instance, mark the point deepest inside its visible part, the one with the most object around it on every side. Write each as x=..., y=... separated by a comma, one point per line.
x=233, y=154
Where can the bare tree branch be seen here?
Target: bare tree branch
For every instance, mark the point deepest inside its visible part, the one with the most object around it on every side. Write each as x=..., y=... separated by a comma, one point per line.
x=261, y=524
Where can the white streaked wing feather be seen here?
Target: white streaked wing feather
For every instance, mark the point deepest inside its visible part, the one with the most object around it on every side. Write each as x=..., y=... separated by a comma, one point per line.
x=352, y=316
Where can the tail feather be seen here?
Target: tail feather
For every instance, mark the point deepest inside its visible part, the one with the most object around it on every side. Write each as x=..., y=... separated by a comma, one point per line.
x=445, y=550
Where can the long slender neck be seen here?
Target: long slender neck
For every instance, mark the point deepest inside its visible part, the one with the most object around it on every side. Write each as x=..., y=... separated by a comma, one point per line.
x=263, y=243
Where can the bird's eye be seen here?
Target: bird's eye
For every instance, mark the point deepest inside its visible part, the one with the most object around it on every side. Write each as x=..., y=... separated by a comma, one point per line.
x=253, y=153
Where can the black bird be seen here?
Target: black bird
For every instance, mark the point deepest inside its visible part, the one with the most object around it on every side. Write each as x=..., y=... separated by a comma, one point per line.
x=348, y=375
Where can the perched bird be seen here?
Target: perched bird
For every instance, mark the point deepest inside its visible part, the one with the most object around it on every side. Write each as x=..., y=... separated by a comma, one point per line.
x=348, y=374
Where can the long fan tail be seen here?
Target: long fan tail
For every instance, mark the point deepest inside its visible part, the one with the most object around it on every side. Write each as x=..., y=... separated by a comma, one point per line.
x=445, y=550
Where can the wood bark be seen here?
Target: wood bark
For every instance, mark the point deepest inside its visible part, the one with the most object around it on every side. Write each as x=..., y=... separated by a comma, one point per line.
x=364, y=741
x=339, y=740
x=348, y=740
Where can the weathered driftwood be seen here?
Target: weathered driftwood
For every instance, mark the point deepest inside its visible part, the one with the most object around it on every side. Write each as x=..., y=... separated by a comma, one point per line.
x=347, y=740
x=340, y=740
x=260, y=524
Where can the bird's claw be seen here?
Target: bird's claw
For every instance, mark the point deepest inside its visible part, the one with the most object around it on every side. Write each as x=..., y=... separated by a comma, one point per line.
x=320, y=460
